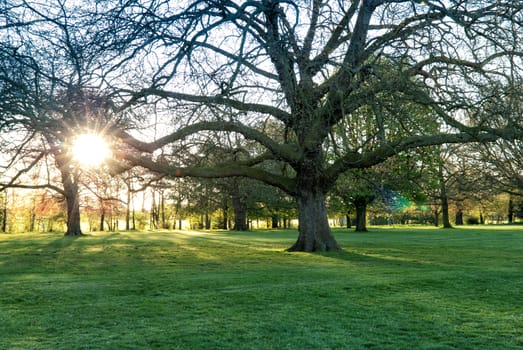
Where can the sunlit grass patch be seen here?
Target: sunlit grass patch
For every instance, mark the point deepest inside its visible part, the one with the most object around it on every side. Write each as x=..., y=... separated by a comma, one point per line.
x=388, y=289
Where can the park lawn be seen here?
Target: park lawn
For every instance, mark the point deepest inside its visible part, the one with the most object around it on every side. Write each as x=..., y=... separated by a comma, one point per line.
x=389, y=289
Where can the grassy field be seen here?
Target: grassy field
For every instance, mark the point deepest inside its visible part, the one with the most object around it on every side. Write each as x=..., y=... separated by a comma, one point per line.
x=388, y=289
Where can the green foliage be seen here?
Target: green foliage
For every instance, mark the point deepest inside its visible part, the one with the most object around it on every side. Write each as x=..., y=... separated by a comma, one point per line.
x=389, y=289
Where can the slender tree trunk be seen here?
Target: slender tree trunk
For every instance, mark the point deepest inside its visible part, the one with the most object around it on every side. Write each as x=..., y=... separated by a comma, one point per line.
x=32, y=218
x=102, y=221
x=133, y=217
x=128, y=209
x=444, y=199
x=445, y=217
x=162, y=210
x=4, y=212
x=436, y=218
x=101, y=226
x=155, y=215
x=225, y=210
x=314, y=231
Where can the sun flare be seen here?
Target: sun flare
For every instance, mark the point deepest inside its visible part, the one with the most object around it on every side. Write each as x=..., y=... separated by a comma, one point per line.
x=90, y=149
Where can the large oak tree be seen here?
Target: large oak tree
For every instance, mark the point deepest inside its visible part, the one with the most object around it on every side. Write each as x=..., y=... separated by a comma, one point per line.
x=224, y=66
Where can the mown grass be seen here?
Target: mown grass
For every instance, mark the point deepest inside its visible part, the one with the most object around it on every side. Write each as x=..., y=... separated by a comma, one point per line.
x=388, y=289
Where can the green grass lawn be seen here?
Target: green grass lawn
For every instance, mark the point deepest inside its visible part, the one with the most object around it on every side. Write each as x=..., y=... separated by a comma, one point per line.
x=388, y=289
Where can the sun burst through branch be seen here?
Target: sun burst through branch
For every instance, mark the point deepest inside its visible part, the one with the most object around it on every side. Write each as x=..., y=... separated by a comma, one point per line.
x=90, y=149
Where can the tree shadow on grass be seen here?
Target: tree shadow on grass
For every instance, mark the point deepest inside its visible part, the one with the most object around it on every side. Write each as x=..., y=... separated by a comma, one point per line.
x=374, y=258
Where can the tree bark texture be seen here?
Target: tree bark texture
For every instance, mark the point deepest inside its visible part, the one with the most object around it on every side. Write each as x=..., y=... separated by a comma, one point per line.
x=225, y=215
x=240, y=212
x=459, y=217
x=360, y=203
x=445, y=218
x=3, y=226
x=207, y=221
x=444, y=199
x=436, y=218
x=102, y=217
x=314, y=231
x=361, y=215
x=72, y=203
x=275, y=219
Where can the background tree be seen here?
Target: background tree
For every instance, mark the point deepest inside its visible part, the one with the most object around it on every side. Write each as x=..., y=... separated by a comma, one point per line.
x=396, y=183
x=3, y=211
x=51, y=88
x=448, y=178
x=355, y=189
x=501, y=165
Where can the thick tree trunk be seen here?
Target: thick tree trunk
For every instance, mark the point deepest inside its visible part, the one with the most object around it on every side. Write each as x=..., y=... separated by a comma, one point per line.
x=240, y=212
x=73, y=210
x=73, y=217
x=459, y=217
x=275, y=220
x=69, y=180
x=207, y=221
x=314, y=231
x=349, y=221
x=361, y=215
